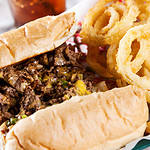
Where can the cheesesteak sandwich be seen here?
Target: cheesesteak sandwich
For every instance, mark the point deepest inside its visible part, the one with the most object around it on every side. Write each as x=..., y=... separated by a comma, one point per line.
x=37, y=70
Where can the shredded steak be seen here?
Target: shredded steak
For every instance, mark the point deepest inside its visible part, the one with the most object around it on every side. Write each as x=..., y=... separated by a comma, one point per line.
x=43, y=81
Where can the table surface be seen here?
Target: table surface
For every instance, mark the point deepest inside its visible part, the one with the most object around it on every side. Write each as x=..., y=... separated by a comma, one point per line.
x=6, y=19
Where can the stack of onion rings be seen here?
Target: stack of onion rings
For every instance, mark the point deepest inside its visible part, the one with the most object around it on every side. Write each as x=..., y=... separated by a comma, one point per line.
x=106, y=24
x=124, y=26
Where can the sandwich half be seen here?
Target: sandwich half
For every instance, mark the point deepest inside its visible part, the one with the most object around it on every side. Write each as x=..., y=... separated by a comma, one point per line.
x=38, y=70
x=100, y=121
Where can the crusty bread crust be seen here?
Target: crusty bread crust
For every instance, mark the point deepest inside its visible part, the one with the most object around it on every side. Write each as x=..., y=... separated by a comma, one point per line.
x=100, y=121
x=36, y=37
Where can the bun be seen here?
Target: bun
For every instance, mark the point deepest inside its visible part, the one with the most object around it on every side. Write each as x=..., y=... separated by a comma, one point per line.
x=100, y=121
x=36, y=37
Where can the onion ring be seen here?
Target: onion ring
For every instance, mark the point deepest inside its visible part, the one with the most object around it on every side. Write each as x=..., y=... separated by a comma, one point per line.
x=129, y=68
x=144, y=7
x=111, y=59
x=96, y=60
x=127, y=20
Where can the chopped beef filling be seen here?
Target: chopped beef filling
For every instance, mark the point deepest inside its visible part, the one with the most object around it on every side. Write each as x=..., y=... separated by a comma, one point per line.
x=43, y=81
